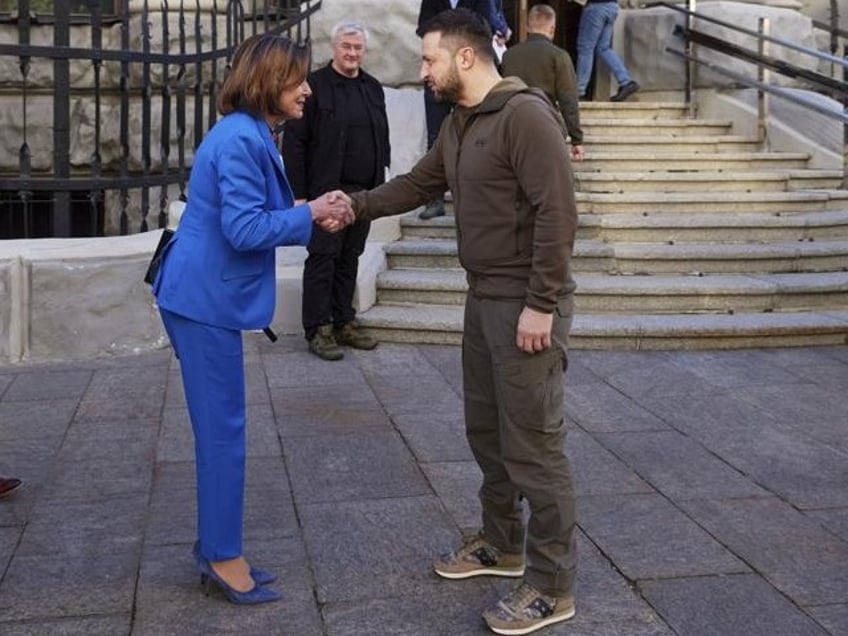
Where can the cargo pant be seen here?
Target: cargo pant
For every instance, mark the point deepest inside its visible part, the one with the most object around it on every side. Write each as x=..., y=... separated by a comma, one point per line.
x=515, y=424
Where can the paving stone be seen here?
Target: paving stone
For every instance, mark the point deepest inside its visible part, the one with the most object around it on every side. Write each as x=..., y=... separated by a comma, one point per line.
x=815, y=411
x=641, y=376
x=81, y=529
x=677, y=466
x=834, y=618
x=115, y=383
x=5, y=381
x=602, y=594
x=435, y=436
x=578, y=372
x=46, y=385
x=45, y=418
x=602, y=408
x=733, y=369
x=451, y=611
x=448, y=360
x=721, y=605
x=807, y=473
x=410, y=394
x=456, y=484
x=171, y=602
x=66, y=585
x=33, y=467
x=345, y=466
x=9, y=538
x=327, y=409
x=397, y=359
x=96, y=479
x=596, y=471
x=302, y=368
x=832, y=376
x=110, y=439
x=834, y=519
x=647, y=537
x=791, y=551
x=131, y=406
x=701, y=412
x=113, y=625
x=378, y=548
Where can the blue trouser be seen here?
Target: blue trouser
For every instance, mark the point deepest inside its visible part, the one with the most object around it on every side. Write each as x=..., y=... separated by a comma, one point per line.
x=595, y=35
x=212, y=366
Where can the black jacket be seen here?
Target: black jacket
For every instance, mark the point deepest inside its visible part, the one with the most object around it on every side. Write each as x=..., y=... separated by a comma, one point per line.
x=313, y=147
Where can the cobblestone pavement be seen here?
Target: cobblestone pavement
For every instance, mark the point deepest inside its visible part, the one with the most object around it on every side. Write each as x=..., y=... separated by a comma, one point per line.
x=713, y=495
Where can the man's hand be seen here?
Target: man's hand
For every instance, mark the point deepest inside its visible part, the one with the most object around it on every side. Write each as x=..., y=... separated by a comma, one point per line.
x=577, y=152
x=332, y=211
x=534, y=330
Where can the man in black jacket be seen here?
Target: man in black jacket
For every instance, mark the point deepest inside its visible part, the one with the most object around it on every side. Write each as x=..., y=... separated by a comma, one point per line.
x=436, y=110
x=342, y=142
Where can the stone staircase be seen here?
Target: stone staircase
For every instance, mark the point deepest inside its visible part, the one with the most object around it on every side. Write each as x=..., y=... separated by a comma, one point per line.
x=690, y=238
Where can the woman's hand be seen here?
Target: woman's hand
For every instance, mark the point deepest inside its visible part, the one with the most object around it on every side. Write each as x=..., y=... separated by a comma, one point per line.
x=332, y=211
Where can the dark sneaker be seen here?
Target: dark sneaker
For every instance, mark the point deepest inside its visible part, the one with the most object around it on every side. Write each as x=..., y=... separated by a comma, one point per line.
x=324, y=345
x=525, y=610
x=435, y=208
x=351, y=335
x=624, y=92
x=477, y=557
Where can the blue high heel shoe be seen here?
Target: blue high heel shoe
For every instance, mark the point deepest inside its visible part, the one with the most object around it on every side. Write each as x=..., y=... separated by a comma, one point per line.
x=259, y=593
x=260, y=577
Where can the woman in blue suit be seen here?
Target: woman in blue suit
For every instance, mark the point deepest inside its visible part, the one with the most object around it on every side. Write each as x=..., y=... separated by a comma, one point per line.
x=218, y=278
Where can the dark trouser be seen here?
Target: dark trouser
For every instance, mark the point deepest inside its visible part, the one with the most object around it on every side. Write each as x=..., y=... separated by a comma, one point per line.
x=329, y=276
x=435, y=111
x=515, y=424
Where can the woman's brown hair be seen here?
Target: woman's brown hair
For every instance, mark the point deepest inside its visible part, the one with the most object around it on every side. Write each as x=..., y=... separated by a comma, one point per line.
x=264, y=65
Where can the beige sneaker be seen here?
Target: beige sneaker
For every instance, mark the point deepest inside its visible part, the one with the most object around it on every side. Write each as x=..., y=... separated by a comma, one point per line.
x=525, y=610
x=477, y=557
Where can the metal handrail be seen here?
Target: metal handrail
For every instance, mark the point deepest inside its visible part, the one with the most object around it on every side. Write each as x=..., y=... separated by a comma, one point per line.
x=770, y=38
x=769, y=88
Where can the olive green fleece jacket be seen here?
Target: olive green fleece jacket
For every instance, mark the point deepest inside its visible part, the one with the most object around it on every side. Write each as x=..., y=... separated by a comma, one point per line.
x=509, y=172
x=542, y=64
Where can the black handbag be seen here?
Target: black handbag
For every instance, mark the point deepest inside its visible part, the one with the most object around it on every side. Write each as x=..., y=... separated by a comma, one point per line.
x=156, y=260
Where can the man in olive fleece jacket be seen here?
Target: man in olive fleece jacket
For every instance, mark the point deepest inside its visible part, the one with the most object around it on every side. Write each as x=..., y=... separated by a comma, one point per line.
x=503, y=155
x=541, y=63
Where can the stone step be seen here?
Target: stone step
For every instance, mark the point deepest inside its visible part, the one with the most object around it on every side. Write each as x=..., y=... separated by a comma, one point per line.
x=660, y=127
x=633, y=110
x=712, y=180
x=654, y=258
x=600, y=293
x=670, y=159
x=664, y=228
x=442, y=324
x=700, y=144
x=648, y=203
x=714, y=228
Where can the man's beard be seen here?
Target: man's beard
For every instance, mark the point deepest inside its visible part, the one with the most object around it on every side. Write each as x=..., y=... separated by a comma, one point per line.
x=451, y=90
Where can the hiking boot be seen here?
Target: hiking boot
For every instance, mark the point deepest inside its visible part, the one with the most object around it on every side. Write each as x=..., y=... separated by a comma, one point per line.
x=625, y=91
x=351, y=335
x=525, y=610
x=323, y=344
x=435, y=208
x=477, y=557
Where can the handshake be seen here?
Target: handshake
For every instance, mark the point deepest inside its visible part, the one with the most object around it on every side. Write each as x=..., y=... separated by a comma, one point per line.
x=332, y=211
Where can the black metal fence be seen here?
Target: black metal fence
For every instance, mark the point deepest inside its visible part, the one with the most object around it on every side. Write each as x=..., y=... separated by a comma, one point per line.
x=110, y=114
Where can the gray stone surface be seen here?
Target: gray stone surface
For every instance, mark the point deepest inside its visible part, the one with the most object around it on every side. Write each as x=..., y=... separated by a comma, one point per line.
x=709, y=501
x=721, y=605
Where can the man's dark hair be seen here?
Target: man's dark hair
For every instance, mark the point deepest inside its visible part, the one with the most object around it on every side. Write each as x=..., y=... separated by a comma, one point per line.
x=462, y=27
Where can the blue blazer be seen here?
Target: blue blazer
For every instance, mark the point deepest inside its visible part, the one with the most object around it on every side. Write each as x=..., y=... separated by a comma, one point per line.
x=220, y=267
